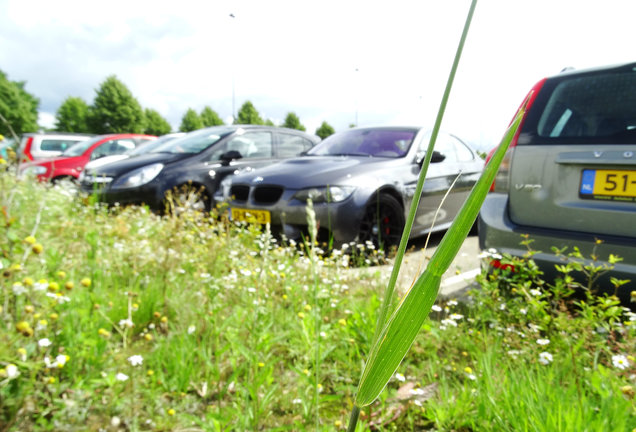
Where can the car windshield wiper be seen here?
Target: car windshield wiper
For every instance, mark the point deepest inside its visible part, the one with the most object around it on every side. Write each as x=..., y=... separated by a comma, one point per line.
x=350, y=154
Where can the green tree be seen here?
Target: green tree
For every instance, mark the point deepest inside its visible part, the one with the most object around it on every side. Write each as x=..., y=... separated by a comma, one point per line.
x=248, y=115
x=325, y=130
x=209, y=117
x=115, y=109
x=155, y=123
x=18, y=107
x=269, y=122
x=72, y=116
x=190, y=121
x=293, y=122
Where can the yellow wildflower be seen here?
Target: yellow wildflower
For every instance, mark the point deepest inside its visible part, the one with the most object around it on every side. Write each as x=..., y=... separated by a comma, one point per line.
x=628, y=391
x=28, y=281
x=69, y=285
x=86, y=282
x=342, y=322
x=37, y=248
x=54, y=316
x=171, y=412
x=148, y=337
x=61, y=274
x=30, y=240
x=24, y=328
x=29, y=309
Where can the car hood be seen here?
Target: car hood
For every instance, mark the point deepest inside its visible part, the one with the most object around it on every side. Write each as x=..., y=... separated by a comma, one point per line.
x=94, y=164
x=313, y=171
x=116, y=168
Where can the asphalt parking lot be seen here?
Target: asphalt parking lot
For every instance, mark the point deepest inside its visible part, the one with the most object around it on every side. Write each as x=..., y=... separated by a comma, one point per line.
x=457, y=278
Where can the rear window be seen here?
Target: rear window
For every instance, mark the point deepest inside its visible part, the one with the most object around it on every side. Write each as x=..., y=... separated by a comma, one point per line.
x=591, y=108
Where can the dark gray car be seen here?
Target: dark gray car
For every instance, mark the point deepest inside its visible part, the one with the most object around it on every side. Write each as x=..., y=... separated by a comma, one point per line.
x=193, y=165
x=361, y=182
x=569, y=179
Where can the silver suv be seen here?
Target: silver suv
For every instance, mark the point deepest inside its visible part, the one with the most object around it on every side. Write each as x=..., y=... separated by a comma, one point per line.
x=46, y=145
x=569, y=178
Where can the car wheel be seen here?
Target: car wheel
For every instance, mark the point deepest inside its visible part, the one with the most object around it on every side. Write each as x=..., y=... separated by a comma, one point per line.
x=188, y=198
x=383, y=222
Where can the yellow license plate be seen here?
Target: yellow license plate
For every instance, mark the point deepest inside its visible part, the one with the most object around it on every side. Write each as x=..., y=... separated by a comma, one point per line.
x=251, y=216
x=617, y=185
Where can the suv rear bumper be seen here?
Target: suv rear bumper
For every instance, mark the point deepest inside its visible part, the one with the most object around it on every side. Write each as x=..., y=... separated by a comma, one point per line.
x=497, y=231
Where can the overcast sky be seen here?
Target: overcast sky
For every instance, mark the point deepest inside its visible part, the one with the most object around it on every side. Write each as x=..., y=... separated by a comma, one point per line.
x=374, y=62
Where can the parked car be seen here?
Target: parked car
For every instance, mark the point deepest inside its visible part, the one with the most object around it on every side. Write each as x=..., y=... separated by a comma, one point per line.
x=569, y=177
x=144, y=147
x=361, y=182
x=34, y=146
x=72, y=161
x=193, y=166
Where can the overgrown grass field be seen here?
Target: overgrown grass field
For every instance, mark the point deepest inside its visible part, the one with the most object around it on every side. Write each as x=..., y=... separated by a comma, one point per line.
x=120, y=320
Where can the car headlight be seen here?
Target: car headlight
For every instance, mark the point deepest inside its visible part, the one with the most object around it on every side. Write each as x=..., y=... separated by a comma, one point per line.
x=327, y=194
x=138, y=177
x=33, y=170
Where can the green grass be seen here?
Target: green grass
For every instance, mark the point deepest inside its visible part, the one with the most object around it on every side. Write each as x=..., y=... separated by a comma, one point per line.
x=238, y=331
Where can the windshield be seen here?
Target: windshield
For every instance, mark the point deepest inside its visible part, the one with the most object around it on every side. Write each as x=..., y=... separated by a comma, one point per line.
x=377, y=142
x=81, y=147
x=194, y=142
x=149, y=146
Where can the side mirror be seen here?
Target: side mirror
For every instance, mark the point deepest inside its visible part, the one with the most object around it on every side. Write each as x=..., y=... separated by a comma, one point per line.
x=229, y=156
x=437, y=157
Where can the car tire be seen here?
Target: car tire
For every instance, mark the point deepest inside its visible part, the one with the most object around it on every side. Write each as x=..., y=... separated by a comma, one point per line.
x=188, y=197
x=382, y=223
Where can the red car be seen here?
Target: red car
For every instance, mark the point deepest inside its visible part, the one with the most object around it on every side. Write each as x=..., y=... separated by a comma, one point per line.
x=71, y=163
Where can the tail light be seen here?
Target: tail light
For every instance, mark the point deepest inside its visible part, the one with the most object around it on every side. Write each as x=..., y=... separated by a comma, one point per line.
x=27, y=150
x=501, y=180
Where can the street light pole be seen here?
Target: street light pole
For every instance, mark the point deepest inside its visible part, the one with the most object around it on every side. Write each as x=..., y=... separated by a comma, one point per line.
x=232, y=16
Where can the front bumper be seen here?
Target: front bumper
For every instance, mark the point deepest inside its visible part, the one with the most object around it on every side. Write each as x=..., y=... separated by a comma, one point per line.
x=497, y=231
x=337, y=223
x=144, y=195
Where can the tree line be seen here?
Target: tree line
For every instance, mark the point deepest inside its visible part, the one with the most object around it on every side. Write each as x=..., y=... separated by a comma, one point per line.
x=115, y=110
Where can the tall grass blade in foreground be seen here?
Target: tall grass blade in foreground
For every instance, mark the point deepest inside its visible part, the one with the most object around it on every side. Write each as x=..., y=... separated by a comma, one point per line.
x=389, y=293
x=399, y=333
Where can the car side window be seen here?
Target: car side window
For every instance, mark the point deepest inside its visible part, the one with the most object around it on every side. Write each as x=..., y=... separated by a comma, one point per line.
x=250, y=145
x=445, y=144
x=56, y=144
x=292, y=145
x=464, y=154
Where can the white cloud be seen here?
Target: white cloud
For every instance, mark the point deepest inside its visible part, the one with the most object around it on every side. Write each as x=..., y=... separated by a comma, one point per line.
x=302, y=57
